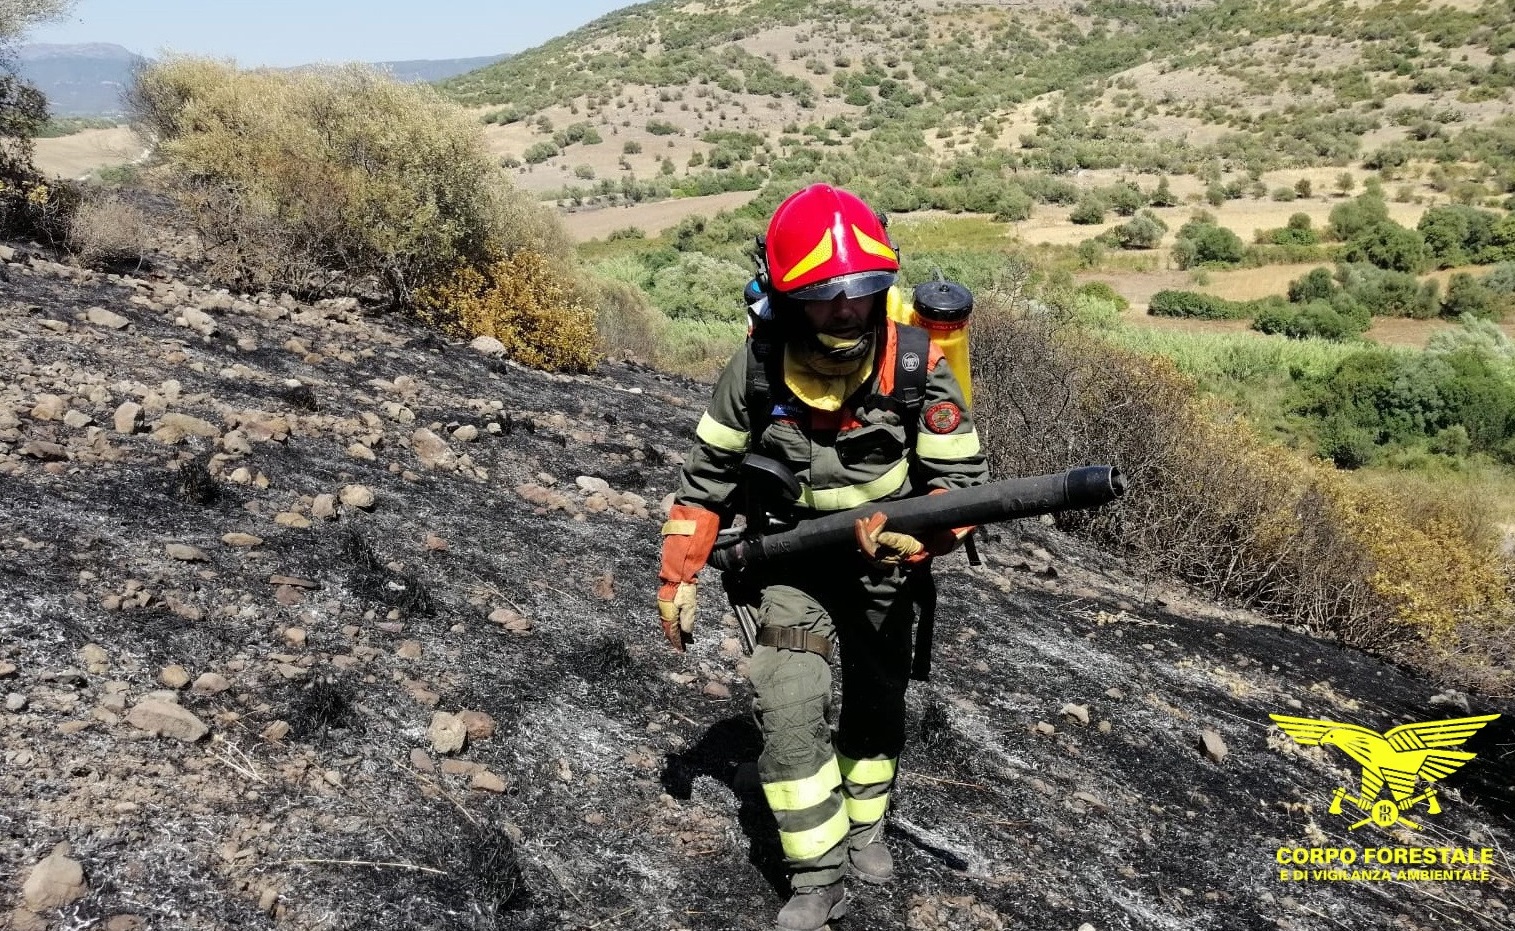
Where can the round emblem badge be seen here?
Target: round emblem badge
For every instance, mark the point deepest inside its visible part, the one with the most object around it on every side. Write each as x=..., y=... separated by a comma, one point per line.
x=910, y=361
x=943, y=417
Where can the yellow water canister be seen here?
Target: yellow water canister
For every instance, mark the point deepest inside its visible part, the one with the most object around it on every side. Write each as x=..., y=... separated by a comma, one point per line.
x=942, y=308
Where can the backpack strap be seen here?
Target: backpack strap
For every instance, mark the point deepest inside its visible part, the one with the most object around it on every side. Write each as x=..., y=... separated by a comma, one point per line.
x=912, y=357
x=765, y=356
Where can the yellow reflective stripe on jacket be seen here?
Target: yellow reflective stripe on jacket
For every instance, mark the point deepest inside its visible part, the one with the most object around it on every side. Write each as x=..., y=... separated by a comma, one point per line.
x=867, y=810
x=851, y=496
x=950, y=446
x=717, y=434
x=808, y=845
x=866, y=772
x=680, y=528
x=799, y=794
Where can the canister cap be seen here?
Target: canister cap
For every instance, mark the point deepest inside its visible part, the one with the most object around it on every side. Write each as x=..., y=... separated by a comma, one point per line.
x=943, y=301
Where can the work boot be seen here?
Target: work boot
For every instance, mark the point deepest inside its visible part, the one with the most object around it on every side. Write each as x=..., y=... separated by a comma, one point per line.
x=810, y=908
x=873, y=863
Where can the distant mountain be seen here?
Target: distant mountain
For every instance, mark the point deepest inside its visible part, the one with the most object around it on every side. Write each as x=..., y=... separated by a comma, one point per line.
x=80, y=80
x=88, y=79
x=437, y=69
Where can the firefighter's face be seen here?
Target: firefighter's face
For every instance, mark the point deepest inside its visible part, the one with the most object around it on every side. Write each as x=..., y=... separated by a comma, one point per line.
x=841, y=317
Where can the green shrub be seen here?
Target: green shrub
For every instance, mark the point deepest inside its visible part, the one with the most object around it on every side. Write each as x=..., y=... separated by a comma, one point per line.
x=1455, y=234
x=539, y=152
x=1193, y=304
x=291, y=176
x=1089, y=210
x=1356, y=216
x=30, y=205
x=1143, y=231
x=699, y=287
x=1469, y=296
x=1388, y=246
x=1315, y=320
x=1389, y=293
x=1102, y=291
x=1200, y=242
x=661, y=128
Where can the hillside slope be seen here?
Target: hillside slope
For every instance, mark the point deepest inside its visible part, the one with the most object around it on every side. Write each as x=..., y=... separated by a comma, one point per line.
x=918, y=96
x=185, y=551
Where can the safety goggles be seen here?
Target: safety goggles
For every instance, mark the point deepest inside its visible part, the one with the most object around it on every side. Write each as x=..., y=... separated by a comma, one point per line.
x=859, y=284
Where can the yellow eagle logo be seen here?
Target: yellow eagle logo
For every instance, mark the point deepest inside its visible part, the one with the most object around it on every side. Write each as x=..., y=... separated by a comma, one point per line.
x=1401, y=759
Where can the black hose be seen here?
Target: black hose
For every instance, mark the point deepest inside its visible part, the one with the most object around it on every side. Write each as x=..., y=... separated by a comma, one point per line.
x=1008, y=499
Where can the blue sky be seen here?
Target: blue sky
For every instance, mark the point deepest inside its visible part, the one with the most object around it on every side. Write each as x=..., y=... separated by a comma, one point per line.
x=293, y=32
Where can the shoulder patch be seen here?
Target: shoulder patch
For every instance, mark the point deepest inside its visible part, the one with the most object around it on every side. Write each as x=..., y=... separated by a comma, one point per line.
x=943, y=417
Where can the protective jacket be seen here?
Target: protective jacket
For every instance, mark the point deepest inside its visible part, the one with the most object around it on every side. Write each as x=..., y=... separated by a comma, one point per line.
x=829, y=793
x=846, y=458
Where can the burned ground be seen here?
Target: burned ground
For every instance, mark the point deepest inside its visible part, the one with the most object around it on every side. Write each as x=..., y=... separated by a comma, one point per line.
x=507, y=569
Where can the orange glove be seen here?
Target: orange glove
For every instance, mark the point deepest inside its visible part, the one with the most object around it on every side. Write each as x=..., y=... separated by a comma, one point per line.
x=688, y=537
x=885, y=547
x=888, y=548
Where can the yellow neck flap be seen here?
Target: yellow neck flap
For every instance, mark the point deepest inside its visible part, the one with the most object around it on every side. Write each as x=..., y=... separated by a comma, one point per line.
x=823, y=383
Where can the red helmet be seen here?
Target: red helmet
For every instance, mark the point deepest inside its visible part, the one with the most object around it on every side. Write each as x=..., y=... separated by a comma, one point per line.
x=824, y=241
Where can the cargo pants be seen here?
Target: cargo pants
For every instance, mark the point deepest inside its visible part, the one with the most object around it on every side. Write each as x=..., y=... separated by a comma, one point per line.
x=829, y=792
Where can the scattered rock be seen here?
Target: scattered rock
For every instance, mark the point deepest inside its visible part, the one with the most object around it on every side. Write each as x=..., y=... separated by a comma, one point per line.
x=717, y=690
x=487, y=345
x=480, y=725
x=432, y=450
x=324, y=507
x=99, y=316
x=447, y=733
x=166, y=719
x=186, y=553
x=1213, y=746
x=486, y=781
x=54, y=882
x=175, y=676
x=241, y=539
x=357, y=496
x=210, y=683
x=1078, y=714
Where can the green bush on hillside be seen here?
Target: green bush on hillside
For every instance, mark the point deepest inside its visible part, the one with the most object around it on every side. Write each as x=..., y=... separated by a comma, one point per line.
x=1389, y=246
x=304, y=179
x=1193, y=304
x=1314, y=320
x=1202, y=242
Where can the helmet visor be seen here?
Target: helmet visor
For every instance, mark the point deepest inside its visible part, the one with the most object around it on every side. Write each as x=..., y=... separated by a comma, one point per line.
x=860, y=284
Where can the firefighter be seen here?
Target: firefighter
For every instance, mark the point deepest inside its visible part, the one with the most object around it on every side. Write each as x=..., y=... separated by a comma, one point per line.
x=833, y=403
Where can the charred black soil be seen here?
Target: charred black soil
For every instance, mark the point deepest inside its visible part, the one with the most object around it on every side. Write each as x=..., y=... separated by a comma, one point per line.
x=502, y=562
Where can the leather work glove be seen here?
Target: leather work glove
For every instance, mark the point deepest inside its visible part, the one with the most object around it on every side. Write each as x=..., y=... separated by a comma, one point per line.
x=688, y=537
x=886, y=547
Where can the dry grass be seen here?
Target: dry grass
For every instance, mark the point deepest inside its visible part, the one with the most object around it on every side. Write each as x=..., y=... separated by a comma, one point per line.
x=109, y=232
